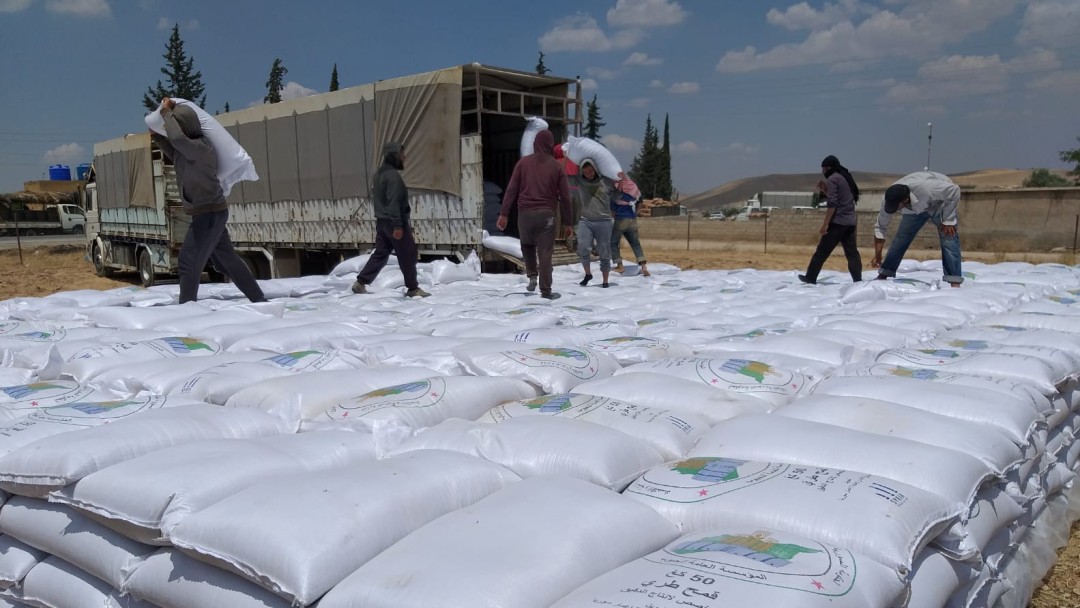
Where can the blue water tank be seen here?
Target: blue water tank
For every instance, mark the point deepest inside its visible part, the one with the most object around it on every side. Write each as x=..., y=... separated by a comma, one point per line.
x=60, y=172
x=82, y=171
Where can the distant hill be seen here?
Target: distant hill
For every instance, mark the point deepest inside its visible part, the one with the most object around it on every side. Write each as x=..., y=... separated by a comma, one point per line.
x=734, y=193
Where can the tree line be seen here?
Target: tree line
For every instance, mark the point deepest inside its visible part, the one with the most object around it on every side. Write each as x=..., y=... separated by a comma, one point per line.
x=184, y=81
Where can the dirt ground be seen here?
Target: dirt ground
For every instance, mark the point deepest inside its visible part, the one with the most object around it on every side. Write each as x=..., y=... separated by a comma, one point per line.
x=48, y=270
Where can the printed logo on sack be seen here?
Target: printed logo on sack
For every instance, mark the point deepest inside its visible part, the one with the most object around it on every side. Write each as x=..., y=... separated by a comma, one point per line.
x=624, y=340
x=968, y=275
x=185, y=346
x=917, y=374
x=713, y=470
x=291, y=359
x=657, y=321
x=550, y=404
x=758, y=546
x=7, y=326
x=398, y=389
x=598, y=324
x=517, y=312
x=1063, y=300
x=969, y=344
x=903, y=281
x=94, y=408
x=564, y=353
x=22, y=391
x=940, y=353
x=1008, y=327
x=34, y=335
x=751, y=369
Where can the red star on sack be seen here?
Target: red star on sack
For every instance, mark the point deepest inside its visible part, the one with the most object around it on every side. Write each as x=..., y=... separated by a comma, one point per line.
x=818, y=585
x=434, y=394
x=523, y=359
x=591, y=369
x=345, y=415
x=34, y=403
x=703, y=493
x=795, y=386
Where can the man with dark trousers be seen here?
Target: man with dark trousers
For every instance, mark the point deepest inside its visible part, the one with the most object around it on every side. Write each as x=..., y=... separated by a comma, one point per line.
x=207, y=238
x=393, y=232
x=538, y=186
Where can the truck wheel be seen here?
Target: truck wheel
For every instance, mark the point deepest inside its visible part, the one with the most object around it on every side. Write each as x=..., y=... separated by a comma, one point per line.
x=77, y=229
x=100, y=269
x=146, y=269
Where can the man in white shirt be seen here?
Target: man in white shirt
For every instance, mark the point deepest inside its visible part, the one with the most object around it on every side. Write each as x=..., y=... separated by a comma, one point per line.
x=919, y=197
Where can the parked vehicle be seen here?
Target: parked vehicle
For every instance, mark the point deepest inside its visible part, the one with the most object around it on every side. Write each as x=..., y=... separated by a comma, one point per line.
x=31, y=219
x=315, y=156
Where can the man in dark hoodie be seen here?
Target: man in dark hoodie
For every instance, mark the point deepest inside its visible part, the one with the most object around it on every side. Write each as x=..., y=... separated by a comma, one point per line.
x=393, y=232
x=207, y=238
x=539, y=187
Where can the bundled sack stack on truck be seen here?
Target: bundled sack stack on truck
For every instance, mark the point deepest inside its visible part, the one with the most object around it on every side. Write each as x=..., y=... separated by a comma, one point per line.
x=315, y=158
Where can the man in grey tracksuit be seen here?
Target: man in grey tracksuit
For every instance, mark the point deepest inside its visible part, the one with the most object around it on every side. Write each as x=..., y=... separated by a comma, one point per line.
x=595, y=194
x=393, y=233
x=207, y=238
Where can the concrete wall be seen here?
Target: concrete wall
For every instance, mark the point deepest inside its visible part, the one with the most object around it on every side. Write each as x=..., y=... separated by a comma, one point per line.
x=1019, y=220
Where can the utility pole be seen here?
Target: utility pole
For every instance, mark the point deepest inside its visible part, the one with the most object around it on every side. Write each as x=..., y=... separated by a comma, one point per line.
x=929, y=141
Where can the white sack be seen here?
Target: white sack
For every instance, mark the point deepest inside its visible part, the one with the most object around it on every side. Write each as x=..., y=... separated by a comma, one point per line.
x=216, y=384
x=233, y=163
x=883, y=519
x=301, y=337
x=628, y=350
x=541, y=446
x=21, y=400
x=57, y=584
x=877, y=417
x=936, y=578
x=409, y=407
x=49, y=421
x=16, y=559
x=126, y=317
x=664, y=392
x=170, y=579
x=474, y=557
x=580, y=148
x=533, y=125
x=774, y=385
x=743, y=566
x=161, y=377
x=75, y=538
x=992, y=511
x=299, y=397
x=554, y=370
x=979, y=363
x=146, y=497
x=1013, y=415
x=54, y=462
x=445, y=271
x=952, y=475
x=670, y=432
x=349, y=516
x=94, y=361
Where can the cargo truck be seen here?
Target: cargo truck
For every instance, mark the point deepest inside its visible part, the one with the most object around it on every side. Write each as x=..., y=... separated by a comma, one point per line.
x=315, y=156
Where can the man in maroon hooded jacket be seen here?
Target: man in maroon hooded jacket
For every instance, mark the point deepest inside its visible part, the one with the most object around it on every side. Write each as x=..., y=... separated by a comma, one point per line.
x=539, y=187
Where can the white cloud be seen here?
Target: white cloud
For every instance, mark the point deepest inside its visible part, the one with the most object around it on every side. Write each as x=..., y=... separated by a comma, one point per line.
x=80, y=8
x=687, y=147
x=638, y=102
x=1050, y=23
x=602, y=73
x=645, y=13
x=1063, y=81
x=638, y=58
x=685, y=88
x=294, y=90
x=67, y=153
x=582, y=33
x=164, y=23
x=802, y=16
x=656, y=84
x=744, y=150
x=618, y=143
x=14, y=6
x=918, y=28
x=971, y=75
x=589, y=84
x=870, y=84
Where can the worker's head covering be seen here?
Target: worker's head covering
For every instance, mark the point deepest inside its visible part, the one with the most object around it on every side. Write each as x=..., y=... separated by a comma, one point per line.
x=592, y=163
x=188, y=121
x=896, y=194
x=392, y=154
x=830, y=162
x=544, y=143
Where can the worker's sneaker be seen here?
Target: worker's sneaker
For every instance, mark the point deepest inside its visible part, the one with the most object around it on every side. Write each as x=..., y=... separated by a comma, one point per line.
x=550, y=296
x=532, y=284
x=619, y=268
x=359, y=288
x=802, y=277
x=416, y=293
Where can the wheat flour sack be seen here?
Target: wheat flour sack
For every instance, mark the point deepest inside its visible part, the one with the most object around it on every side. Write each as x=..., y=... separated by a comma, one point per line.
x=234, y=164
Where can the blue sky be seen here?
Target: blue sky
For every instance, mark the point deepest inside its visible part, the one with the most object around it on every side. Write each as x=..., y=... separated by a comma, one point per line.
x=751, y=87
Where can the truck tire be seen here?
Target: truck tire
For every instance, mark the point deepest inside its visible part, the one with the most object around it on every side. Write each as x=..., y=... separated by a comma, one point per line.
x=146, y=269
x=100, y=269
x=77, y=229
